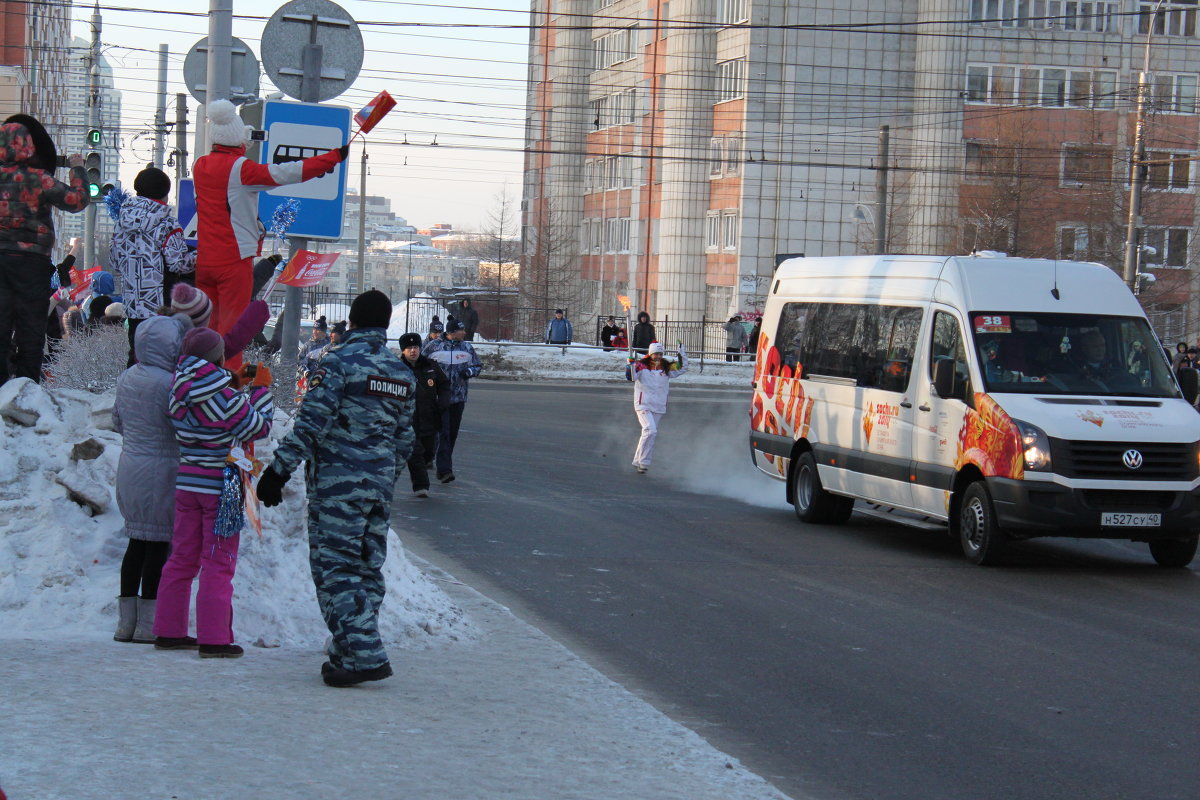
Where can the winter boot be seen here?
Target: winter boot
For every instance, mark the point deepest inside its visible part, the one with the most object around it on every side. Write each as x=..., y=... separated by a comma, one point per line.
x=144, y=632
x=127, y=617
x=220, y=651
x=175, y=642
x=341, y=678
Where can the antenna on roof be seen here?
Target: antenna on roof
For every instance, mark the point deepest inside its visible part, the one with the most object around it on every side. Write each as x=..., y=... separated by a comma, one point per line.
x=1054, y=291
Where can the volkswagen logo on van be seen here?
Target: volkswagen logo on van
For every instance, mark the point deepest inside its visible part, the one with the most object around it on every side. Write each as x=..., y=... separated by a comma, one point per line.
x=1132, y=459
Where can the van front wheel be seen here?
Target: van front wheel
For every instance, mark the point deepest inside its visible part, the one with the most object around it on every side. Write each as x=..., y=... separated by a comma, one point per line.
x=978, y=530
x=809, y=498
x=1174, y=552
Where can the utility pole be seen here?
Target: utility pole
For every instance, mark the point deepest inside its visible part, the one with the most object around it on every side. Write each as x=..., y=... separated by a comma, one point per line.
x=181, y=153
x=220, y=49
x=362, y=221
x=160, y=111
x=89, y=220
x=881, y=189
x=1137, y=166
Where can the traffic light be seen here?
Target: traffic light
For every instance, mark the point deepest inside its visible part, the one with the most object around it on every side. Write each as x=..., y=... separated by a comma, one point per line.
x=93, y=137
x=93, y=165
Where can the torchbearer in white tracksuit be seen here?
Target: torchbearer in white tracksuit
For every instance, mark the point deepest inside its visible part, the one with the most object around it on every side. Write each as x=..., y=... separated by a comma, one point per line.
x=651, y=378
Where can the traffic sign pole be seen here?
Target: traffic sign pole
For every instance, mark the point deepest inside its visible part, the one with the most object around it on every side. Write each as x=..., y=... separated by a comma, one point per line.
x=89, y=219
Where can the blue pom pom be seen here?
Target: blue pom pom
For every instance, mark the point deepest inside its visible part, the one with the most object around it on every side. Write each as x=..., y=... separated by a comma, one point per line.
x=113, y=201
x=229, y=508
x=283, y=217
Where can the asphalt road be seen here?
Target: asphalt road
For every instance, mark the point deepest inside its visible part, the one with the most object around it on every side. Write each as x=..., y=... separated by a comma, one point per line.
x=861, y=661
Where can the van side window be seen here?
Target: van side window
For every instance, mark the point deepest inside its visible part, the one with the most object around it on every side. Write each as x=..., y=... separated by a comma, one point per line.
x=871, y=344
x=948, y=344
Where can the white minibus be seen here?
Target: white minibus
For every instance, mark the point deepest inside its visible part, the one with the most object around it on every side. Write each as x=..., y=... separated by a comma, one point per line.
x=1003, y=398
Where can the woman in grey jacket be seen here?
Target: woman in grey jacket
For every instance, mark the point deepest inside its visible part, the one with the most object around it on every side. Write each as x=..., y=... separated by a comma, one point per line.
x=146, y=471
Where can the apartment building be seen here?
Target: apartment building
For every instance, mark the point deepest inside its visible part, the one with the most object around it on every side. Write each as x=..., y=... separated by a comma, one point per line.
x=677, y=148
x=34, y=37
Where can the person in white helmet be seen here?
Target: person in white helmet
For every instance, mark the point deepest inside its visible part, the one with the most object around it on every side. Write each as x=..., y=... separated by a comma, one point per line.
x=651, y=378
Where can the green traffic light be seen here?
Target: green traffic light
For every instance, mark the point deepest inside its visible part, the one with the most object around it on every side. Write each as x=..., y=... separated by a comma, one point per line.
x=93, y=190
x=93, y=137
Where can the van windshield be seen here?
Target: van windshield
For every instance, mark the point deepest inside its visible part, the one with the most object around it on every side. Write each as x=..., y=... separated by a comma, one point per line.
x=1070, y=354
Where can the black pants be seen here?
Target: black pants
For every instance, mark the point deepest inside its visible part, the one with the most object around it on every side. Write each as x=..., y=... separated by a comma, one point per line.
x=131, y=325
x=24, y=302
x=142, y=566
x=733, y=354
x=423, y=449
x=451, y=420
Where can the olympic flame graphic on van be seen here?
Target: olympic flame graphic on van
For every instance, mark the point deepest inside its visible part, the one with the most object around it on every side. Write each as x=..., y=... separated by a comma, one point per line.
x=989, y=440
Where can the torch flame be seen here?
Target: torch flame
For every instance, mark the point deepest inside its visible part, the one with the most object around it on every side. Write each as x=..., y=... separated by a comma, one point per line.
x=624, y=301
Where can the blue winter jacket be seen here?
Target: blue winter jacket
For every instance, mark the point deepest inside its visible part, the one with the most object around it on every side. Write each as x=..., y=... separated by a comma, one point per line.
x=458, y=360
x=558, y=331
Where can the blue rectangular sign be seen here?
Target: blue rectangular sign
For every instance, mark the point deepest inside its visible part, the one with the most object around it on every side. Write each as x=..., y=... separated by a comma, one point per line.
x=187, y=209
x=297, y=131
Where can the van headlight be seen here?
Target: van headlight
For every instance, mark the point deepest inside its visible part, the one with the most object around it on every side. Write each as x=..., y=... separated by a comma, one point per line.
x=1036, y=446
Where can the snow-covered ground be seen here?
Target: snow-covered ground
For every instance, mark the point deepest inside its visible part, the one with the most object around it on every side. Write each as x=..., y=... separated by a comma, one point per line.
x=482, y=704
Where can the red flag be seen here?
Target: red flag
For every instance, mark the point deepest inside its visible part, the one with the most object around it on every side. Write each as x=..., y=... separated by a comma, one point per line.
x=81, y=283
x=307, y=268
x=374, y=111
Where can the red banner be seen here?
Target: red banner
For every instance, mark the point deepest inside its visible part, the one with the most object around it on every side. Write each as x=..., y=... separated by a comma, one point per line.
x=374, y=111
x=81, y=283
x=307, y=268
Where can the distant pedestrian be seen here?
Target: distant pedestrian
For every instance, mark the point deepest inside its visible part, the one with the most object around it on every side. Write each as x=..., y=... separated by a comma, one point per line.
x=621, y=340
x=146, y=472
x=227, y=189
x=651, y=378
x=310, y=351
x=465, y=313
x=735, y=338
x=752, y=342
x=147, y=244
x=559, y=329
x=210, y=416
x=29, y=194
x=460, y=363
x=433, y=397
x=643, y=333
x=1180, y=356
x=608, y=333
x=354, y=431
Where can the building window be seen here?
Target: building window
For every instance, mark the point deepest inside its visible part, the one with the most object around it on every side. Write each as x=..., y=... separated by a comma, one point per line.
x=618, y=235
x=712, y=231
x=1174, y=19
x=1170, y=246
x=1082, y=164
x=986, y=160
x=715, y=155
x=1175, y=94
x=1046, y=14
x=733, y=155
x=1041, y=86
x=614, y=48
x=1170, y=171
x=1078, y=243
x=729, y=228
x=734, y=11
x=731, y=79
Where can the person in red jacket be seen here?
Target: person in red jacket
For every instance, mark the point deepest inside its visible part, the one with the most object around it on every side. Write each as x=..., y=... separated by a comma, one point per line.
x=227, y=187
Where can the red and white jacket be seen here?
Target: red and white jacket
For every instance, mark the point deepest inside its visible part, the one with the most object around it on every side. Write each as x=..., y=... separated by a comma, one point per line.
x=227, y=187
x=651, y=386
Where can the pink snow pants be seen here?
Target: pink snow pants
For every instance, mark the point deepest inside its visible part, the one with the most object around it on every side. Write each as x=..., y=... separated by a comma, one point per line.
x=195, y=550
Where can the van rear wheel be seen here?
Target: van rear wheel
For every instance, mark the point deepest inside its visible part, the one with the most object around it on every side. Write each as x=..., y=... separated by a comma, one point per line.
x=1174, y=552
x=983, y=542
x=811, y=501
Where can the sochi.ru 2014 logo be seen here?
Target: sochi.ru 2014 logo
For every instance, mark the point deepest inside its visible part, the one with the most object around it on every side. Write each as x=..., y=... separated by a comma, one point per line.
x=1132, y=459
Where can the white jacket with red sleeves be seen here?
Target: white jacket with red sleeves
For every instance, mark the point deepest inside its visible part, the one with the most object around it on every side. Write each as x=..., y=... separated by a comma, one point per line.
x=651, y=386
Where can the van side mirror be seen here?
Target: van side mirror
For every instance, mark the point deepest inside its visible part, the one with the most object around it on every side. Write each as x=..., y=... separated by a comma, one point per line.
x=1189, y=382
x=945, y=379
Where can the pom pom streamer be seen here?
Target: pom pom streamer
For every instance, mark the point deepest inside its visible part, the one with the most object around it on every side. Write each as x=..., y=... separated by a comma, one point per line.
x=283, y=218
x=113, y=201
x=230, y=518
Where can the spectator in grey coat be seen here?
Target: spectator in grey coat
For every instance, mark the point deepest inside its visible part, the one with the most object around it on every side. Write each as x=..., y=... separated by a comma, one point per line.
x=735, y=338
x=146, y=471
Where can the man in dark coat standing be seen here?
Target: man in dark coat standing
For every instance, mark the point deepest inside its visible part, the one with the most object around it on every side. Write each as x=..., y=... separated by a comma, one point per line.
x=643, y=333
x=465, y=313
x=28, y=195
x=433, y=397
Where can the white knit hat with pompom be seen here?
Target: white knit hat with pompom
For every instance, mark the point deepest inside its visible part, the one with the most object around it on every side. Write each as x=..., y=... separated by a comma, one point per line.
x=225, y=126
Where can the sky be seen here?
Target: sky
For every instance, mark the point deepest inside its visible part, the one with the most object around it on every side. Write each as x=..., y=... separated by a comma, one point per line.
x=457, y=82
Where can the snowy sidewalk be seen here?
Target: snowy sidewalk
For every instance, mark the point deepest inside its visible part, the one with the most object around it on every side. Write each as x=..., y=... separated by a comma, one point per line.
x=510, y=715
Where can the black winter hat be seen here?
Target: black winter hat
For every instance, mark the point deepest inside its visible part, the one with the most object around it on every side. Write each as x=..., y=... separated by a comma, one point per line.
x=152, y=182
x=371, y=309
x=410, y=340
x=339, y=328
x=321, y=324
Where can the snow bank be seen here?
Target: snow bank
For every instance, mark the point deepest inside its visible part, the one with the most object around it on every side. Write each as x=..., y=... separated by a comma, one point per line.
x=61, y=543
x=414, y=316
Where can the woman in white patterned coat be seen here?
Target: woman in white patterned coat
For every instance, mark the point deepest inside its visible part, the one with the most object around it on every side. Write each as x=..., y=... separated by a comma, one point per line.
x=147, y=244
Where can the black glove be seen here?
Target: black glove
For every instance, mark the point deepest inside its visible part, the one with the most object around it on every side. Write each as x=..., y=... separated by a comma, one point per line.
x=64, y=270
x=345, y=151
x=270, y=488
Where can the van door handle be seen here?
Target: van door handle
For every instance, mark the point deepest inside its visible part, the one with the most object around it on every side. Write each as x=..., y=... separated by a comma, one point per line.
x=905, y=404
x=923, y=407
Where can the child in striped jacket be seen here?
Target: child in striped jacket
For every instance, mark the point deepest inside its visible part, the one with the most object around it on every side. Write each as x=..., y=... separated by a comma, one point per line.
x=210, y=417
